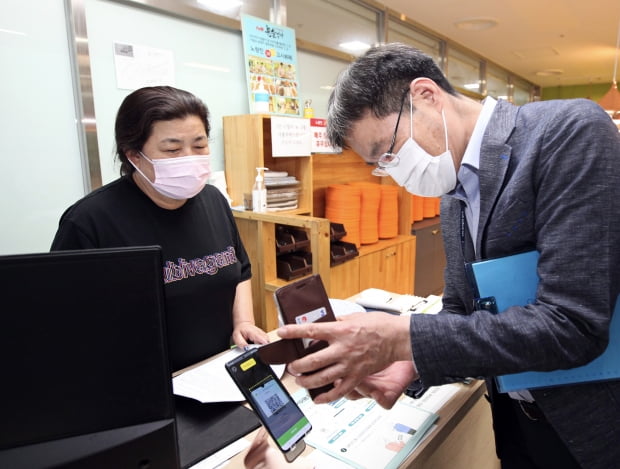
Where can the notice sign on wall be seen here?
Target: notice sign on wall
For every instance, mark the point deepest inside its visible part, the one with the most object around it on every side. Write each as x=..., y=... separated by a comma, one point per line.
x=320, y=142
x=290, y=137
x=137, y=66
x=271, y=67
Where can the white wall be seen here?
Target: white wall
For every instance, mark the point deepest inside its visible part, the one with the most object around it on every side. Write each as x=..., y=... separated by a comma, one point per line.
x=42, y=171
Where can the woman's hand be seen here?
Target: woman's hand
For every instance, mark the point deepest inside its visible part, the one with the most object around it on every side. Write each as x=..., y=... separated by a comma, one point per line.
x=262, y=455
x=247, y=333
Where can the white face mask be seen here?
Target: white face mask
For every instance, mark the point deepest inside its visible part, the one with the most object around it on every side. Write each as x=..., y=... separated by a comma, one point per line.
x=421, y=173
x=179, y=178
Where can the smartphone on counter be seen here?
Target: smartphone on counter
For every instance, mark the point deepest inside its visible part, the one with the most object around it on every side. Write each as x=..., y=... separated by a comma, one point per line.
x=272, y=403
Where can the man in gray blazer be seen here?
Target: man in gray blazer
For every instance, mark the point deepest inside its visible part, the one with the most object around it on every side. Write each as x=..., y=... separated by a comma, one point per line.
x=543, y=176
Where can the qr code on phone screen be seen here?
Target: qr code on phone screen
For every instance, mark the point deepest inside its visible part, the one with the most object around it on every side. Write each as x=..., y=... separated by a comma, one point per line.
x=274, y=403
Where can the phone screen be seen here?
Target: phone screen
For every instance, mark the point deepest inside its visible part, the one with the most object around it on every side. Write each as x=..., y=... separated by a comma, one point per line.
x=276, y=409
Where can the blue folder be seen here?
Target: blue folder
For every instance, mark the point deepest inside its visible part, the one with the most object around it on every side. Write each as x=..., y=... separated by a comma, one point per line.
x=512, y=281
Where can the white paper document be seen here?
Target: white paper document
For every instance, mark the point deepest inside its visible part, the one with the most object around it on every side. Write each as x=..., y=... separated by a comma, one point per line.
x=362, y=433
x=211, y=382
x=435, y=397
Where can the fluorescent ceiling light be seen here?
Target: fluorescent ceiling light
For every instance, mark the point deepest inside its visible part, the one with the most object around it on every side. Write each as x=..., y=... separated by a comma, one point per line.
x=10, y=31
x=480, y=23
x=354, y=46
x=220, y=6
x=471, y=86
x=550, y=72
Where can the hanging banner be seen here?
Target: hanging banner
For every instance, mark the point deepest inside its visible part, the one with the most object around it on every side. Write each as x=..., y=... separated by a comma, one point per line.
x=271, y=67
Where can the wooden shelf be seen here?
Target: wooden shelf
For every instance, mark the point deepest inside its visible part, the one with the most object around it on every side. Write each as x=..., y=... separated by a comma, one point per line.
x=247, y=146
x=387, y=264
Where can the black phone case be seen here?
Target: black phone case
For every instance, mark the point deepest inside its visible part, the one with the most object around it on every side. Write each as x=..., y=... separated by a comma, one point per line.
x=299, y=446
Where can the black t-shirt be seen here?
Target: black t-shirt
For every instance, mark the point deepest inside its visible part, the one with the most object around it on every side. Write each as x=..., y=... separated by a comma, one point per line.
x=204, y=258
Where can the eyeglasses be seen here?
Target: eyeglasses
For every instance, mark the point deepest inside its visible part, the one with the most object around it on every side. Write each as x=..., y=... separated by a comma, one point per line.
x=389, y=159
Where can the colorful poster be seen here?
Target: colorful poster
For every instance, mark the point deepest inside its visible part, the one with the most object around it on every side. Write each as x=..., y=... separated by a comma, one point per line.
x=271, y=67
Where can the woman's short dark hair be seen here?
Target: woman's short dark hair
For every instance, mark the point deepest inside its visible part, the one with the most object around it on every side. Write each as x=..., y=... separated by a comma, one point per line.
x=377, y=81
x=142, y=108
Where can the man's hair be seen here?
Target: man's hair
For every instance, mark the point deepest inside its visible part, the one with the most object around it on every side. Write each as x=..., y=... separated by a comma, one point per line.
x=376, y=82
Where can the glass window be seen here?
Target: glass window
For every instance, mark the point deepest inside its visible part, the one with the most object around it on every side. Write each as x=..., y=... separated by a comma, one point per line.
x=498, y=84
x=463, y=71
x=317, y=87
x=346, y=21
x=522, y=91
x=402, y=32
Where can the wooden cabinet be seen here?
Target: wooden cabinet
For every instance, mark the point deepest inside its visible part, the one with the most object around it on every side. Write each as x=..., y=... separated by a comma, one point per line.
x=430, y=257
x=389, y=268
x=258, y=233
x=247, y=145
x=345, y=279
x=388, y=264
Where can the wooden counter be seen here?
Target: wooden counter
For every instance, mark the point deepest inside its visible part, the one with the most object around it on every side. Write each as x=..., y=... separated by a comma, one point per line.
x=462, y=437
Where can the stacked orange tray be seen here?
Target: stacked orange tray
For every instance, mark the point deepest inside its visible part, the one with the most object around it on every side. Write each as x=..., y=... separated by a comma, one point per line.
x=343, y=205
x=388, y=212
x=417, y=208
x=429, y=206
x=369, y=211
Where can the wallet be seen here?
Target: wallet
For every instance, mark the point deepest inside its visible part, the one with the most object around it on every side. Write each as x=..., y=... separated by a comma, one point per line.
x=299, y=302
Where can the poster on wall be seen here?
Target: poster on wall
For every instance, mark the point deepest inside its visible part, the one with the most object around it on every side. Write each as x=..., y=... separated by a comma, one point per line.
x=271, y=67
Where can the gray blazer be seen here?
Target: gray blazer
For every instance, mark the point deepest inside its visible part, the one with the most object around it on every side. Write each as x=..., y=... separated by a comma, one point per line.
x=549, y=180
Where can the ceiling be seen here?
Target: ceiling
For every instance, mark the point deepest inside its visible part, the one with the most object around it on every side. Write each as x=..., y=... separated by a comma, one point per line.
x=573, y=40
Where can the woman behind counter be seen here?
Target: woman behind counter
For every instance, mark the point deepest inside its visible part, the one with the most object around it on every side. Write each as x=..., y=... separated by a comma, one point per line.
x=162, y=199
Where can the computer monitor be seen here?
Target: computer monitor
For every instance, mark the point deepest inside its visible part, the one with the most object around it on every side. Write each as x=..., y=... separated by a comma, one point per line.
x=86, y=379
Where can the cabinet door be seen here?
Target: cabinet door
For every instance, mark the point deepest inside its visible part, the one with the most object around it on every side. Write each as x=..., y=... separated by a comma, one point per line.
x=430, y=260
x=405, y=267
x=345, y=279
x=389, y=269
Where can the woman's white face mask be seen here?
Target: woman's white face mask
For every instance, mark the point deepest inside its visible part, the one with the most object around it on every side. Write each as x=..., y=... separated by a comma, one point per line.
x=421, y=173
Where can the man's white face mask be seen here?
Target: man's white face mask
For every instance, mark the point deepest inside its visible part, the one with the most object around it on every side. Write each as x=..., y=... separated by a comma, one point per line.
x=418, y=171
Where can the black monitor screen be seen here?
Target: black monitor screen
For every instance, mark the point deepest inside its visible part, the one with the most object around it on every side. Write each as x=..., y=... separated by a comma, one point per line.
x=82, y=344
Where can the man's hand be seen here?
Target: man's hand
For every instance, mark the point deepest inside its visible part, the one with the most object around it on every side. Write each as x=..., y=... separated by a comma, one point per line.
x=387, y=385
x=359, y=345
